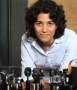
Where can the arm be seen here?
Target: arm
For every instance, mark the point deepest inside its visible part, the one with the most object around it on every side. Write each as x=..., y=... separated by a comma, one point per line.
x=71, y=52
x=26, y=58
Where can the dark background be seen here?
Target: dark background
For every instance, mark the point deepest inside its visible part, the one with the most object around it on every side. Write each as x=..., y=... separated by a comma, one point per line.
x=12, y=26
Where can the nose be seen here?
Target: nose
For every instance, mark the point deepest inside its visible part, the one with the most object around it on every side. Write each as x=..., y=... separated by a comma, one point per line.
x=44, y=29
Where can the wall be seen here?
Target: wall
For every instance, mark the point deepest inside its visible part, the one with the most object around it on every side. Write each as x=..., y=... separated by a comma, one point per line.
x=4, y=33
x=12, y=26
x=17, y=28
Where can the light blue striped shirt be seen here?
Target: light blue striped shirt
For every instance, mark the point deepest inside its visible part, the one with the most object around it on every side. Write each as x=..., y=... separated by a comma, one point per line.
x=63, y=50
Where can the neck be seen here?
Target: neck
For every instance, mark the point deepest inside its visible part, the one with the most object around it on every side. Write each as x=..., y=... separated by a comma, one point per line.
x=45, y=46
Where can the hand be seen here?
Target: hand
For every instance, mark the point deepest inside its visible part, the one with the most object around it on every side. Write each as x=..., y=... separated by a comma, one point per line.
x=69, y=69
x=45, y=84
x=23, y=85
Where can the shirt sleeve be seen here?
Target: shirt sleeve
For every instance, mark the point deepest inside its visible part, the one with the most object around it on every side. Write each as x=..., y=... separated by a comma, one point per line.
x=26, y=59
x=71, y=52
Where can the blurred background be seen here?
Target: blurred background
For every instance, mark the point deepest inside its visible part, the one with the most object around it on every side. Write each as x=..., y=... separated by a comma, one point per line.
x=12, y=26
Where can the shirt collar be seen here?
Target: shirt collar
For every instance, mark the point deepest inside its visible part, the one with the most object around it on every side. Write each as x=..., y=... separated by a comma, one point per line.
x=35, y=45
x=59, y=40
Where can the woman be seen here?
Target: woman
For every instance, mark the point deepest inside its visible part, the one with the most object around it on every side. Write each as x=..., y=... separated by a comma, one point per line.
x=47, y=42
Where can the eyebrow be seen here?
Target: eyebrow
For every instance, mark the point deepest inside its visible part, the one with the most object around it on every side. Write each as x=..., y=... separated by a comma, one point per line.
x=42, y=21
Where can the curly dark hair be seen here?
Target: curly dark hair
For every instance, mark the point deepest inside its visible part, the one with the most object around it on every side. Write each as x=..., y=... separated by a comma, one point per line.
x=45, y=6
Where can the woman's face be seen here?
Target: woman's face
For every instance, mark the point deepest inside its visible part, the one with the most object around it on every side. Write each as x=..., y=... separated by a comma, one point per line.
x=44, y=28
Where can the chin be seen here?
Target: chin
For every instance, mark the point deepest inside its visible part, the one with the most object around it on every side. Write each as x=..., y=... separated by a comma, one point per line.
x=45, y=41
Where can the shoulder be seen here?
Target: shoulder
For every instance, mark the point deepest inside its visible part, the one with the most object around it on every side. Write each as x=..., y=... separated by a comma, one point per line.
x=26, y=39
x=70, y=36
x=25, y=44
x=70, y=33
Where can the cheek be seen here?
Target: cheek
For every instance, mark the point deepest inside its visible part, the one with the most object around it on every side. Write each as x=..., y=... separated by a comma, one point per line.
x=53, y=30
x=37, y=30
x=37, y=33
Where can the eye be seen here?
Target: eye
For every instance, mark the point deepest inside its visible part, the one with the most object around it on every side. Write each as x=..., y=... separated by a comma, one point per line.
x=38, y=23
x=51, y=23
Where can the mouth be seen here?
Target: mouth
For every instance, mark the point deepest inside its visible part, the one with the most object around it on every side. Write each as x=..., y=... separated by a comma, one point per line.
x=44, y=34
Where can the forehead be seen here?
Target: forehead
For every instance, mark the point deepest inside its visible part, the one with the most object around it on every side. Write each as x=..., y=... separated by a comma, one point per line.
x=43, y=17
